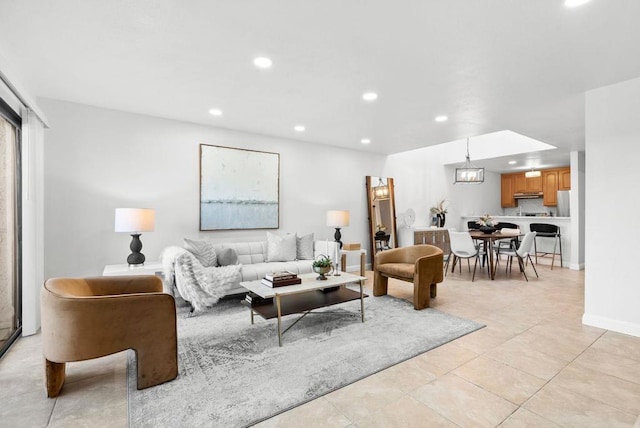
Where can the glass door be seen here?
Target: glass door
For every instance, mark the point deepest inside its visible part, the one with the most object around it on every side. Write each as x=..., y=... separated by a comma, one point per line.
x=10, y=283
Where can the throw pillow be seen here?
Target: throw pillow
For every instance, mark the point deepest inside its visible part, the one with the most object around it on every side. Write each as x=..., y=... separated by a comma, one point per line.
x=304, y=247
x=203, y=250
x=281, y=248
x=227, y=257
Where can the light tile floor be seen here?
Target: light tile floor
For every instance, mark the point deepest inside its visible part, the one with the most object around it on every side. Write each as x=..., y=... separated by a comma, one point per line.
x=534, y=365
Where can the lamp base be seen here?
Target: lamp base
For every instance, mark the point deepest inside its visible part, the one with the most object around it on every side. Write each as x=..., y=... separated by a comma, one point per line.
x=136, y=258
x=337, y=236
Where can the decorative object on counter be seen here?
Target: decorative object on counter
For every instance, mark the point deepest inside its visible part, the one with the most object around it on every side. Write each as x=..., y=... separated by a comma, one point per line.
x=322, y=266
x=469, y=173
x=486, y=223
x=408, y=218
x=134, y=221
x=439, y=212
x=338, y=219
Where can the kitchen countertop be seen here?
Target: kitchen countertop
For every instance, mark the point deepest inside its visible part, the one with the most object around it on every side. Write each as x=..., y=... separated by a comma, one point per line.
x=521, y=217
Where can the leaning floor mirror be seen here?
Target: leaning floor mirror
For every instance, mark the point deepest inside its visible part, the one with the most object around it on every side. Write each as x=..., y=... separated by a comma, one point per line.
x=382, y=214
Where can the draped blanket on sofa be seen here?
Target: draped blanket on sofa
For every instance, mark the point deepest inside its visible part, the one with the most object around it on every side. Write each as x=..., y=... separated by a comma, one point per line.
x=201, y=286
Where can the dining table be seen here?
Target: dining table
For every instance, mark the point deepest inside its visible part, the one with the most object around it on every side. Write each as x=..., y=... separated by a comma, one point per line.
x=489, y=239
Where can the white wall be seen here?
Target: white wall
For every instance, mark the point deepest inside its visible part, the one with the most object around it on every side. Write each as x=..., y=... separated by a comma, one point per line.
x=99, y=159
x=421, y=181
x=612, y=294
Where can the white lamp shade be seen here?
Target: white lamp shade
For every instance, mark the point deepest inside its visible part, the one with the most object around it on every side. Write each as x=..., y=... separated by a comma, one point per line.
x=135, y=220
x=337, y=218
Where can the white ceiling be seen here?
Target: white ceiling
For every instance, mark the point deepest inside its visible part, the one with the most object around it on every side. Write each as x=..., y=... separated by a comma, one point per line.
x=491, y=65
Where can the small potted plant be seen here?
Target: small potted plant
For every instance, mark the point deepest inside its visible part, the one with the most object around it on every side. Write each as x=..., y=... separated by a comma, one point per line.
x=322, y=266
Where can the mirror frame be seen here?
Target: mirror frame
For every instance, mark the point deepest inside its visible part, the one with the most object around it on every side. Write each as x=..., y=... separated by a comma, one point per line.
x=392, y=206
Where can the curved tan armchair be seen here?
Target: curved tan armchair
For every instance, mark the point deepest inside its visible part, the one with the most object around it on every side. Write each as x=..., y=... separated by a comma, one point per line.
x=420, y=264
x=84, y=318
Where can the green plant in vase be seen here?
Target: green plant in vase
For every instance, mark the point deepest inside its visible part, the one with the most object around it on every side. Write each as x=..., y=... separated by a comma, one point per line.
x=322, y=266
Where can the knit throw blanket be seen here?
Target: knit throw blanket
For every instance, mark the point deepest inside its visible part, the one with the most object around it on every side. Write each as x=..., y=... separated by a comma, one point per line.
x=198, y=285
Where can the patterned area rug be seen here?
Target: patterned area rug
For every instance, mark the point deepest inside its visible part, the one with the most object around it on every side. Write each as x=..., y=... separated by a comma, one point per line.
x=233, y=374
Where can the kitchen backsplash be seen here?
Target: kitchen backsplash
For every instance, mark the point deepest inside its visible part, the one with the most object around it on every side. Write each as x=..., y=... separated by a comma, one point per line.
x=529, y=206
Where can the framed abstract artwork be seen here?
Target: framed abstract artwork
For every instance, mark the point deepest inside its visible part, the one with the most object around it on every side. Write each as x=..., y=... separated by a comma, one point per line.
x=239, y=189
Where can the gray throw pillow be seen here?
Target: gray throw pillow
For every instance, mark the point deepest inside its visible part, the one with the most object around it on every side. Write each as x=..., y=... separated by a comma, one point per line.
x=227, y=257
x=304, y=247
x=203, y=251
x=281, y=248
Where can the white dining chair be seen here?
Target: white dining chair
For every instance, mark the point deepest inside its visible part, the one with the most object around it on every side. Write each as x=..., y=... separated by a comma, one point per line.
x=462, y=247
x=523, y=253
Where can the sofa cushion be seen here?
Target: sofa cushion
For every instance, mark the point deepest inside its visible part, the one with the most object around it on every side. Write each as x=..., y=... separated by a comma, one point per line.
x=203, y=251
x=227, y=257
x=304, y=247
x=281, y=248
x=402, y=270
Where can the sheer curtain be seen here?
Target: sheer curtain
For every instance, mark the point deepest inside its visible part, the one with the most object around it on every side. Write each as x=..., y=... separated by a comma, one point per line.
x=9, y=321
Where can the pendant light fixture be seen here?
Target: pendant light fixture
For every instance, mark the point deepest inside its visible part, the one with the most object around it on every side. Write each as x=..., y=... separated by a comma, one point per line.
x=533, y=173
x=381, y=191
x=469, y=173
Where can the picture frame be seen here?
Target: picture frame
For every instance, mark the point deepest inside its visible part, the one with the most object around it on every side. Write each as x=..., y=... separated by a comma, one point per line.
x=239, y=189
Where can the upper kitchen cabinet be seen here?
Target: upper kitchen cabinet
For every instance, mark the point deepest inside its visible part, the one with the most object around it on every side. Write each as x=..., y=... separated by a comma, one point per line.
x=507, y=185
x=519, y=183
x=564, y=179
x=522, y=184
x=550, y=187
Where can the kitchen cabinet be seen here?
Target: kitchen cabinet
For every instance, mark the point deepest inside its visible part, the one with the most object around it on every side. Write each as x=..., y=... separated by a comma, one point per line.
x=564, y=179
x=522, y=184
x=550, y=187
x=533, y=184
x=519, y=183
x=507, y=186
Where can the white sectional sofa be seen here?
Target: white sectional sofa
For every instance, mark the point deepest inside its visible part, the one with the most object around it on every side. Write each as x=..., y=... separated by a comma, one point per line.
x=253, y=258
x=202, y=276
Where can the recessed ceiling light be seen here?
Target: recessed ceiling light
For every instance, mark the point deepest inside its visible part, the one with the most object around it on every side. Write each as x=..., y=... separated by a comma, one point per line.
x=365, y=141
x=299, y=128
x=369, y=96
x=215, y=112
x=512, y=162
x=263, y=62
x=575, y=3
x=441, y=118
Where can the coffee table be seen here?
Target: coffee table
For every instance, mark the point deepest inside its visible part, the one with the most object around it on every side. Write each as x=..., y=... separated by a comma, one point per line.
x=303, y=298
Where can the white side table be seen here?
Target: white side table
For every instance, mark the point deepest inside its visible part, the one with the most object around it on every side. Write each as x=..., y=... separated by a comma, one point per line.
x=343, y=259
x=150, y=268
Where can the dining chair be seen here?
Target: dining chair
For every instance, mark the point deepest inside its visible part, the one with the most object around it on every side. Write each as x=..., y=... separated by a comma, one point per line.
x=523, y=253
x=507, y=243
x=545, y=230
x=462, y=247
x=473, y=225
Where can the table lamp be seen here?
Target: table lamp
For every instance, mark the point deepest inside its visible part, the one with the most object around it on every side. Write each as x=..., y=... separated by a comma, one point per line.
x=338, y=219
x=134, y=221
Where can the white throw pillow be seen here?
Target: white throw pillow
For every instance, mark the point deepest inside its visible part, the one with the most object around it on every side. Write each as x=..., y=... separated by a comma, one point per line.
x=304, y=247
x=203, y=251
x=281, y=248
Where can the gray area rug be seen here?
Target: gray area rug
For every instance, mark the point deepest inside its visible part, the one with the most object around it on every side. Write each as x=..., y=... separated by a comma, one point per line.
x=233, y=374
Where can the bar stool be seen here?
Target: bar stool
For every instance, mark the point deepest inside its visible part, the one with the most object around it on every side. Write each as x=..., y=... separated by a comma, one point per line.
x=544, y=230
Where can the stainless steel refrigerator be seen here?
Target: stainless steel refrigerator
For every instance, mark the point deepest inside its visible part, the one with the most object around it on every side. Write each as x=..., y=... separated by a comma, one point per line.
x=564, y=198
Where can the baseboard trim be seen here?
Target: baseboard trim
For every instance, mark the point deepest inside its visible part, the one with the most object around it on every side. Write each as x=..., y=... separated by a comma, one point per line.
x=611, y=324
x=576, y=266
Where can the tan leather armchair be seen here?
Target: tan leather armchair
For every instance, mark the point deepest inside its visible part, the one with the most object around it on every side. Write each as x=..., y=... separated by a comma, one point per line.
x=84, y=318
x=420, y=264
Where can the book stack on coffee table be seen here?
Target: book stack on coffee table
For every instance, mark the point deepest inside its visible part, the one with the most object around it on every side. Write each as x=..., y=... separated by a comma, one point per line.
x=281, y=279
x=253, y=299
